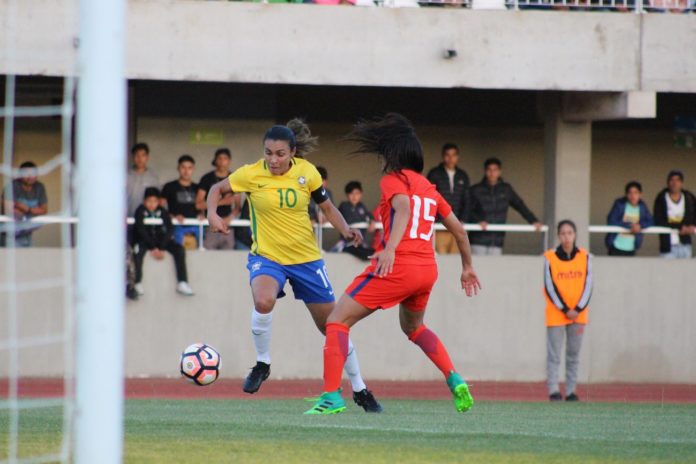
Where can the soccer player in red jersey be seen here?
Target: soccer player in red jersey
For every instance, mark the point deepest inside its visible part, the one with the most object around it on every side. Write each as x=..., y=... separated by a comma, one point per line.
x=404, y=271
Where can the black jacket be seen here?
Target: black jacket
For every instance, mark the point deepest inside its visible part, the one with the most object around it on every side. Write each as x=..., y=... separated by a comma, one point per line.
x=660, y=217
x=458, y=198
x=490, y=203
x=153, y=236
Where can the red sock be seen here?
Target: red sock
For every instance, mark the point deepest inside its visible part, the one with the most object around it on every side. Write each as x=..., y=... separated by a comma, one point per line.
x=433, y=348
x=335, y=353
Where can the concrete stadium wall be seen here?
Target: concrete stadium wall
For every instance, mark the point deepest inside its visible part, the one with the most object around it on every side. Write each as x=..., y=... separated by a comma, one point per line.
x=306, y=44
x=642, y=324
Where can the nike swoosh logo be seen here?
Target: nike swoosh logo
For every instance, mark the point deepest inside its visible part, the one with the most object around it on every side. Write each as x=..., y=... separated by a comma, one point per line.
x=262, y=186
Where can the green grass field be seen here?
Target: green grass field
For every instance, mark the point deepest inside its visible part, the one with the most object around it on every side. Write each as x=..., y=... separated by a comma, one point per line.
x=265, y=431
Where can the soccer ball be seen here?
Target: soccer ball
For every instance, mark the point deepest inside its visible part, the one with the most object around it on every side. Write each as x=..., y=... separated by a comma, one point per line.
x=200, y=364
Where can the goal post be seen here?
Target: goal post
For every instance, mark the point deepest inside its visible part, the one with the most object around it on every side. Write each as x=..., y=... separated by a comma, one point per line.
x=101, y=241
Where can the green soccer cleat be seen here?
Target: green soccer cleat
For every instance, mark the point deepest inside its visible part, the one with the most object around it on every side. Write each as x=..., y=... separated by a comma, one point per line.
x=328, y=403
x=463, y=401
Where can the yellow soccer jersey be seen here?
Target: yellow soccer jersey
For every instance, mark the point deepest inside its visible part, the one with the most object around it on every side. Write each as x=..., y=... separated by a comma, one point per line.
x=278, y=207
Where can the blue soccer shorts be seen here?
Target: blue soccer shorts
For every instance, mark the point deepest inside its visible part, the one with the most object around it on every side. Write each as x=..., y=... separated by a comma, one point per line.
x=309, y=281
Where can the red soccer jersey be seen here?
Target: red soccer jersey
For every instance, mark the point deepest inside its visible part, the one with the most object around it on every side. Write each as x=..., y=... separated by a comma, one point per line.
x=426, y=203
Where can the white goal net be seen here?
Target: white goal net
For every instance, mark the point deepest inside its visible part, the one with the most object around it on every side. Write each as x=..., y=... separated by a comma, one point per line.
x=61, y=297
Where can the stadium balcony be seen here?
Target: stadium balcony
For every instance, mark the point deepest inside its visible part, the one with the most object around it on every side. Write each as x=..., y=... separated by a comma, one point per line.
x=642, y=6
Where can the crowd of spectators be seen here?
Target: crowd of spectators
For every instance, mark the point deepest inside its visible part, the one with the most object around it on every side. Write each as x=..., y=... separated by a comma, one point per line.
x=489, y=201
x=179, y=199
x=484, y=203
x=676, y=6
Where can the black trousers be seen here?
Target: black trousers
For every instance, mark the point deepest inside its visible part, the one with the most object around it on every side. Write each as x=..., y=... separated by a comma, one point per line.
x=178, y=253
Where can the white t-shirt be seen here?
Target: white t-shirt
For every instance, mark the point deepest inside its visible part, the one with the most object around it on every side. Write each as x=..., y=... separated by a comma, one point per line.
x=451, y=174
x=675, y=215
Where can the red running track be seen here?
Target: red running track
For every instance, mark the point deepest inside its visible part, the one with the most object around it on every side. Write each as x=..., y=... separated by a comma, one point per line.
x=484, y=390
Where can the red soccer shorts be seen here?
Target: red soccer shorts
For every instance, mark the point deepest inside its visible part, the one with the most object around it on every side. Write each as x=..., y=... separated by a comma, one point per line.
x=409, y=285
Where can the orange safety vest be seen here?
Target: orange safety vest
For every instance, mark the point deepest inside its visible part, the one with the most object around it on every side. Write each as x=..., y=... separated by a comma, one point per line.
x=569, y=279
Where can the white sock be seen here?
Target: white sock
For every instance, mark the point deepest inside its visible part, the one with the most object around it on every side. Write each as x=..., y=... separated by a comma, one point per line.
x=261, y=325
x=352, y=368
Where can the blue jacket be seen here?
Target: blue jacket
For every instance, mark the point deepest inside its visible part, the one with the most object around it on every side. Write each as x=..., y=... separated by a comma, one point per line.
x=615, y=218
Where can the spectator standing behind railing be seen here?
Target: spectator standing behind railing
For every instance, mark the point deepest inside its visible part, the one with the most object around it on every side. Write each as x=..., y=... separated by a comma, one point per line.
x=452, y=183
x=228, y=207
x=179, y=198
x=632, y=213
x=28, y=200
x=140, y=177
x=567, y=288
x=157, y=239
x=355, y=211
x=490, y=200
x=674, y=208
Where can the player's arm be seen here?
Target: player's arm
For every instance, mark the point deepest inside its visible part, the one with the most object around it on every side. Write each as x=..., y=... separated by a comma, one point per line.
x=227, y=199
x=215, y=195
x=334, y=216
x=401, y=205
x=470, y=281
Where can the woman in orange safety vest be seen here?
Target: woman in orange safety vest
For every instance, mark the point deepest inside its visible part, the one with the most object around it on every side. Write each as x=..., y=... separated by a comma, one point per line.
x=567, y=288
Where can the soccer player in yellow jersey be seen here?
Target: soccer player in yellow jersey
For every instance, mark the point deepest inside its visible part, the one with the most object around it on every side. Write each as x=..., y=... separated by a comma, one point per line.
x=279, y=188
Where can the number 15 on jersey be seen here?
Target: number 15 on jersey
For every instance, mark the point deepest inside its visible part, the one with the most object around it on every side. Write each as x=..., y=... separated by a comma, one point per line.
x=423, y=209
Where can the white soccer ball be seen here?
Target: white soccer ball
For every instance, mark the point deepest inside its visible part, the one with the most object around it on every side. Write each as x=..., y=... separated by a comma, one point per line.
x=200, y=364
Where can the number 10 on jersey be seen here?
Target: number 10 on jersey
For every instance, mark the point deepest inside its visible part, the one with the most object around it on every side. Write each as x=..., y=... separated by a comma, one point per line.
x=289, y=196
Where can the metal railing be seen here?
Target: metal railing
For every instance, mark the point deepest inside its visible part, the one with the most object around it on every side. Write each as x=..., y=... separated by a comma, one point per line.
x=637, y=6
x=655, y=230
x=319, y=229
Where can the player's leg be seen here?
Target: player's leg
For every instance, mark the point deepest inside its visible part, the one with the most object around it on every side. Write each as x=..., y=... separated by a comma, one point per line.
x=411, y=321
x=416, y=331
x=267, y=279
x=361, y=395
x=320, y=312
x=574, y=333
x=346, y=313
x=310, y=283
x=554, y=343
